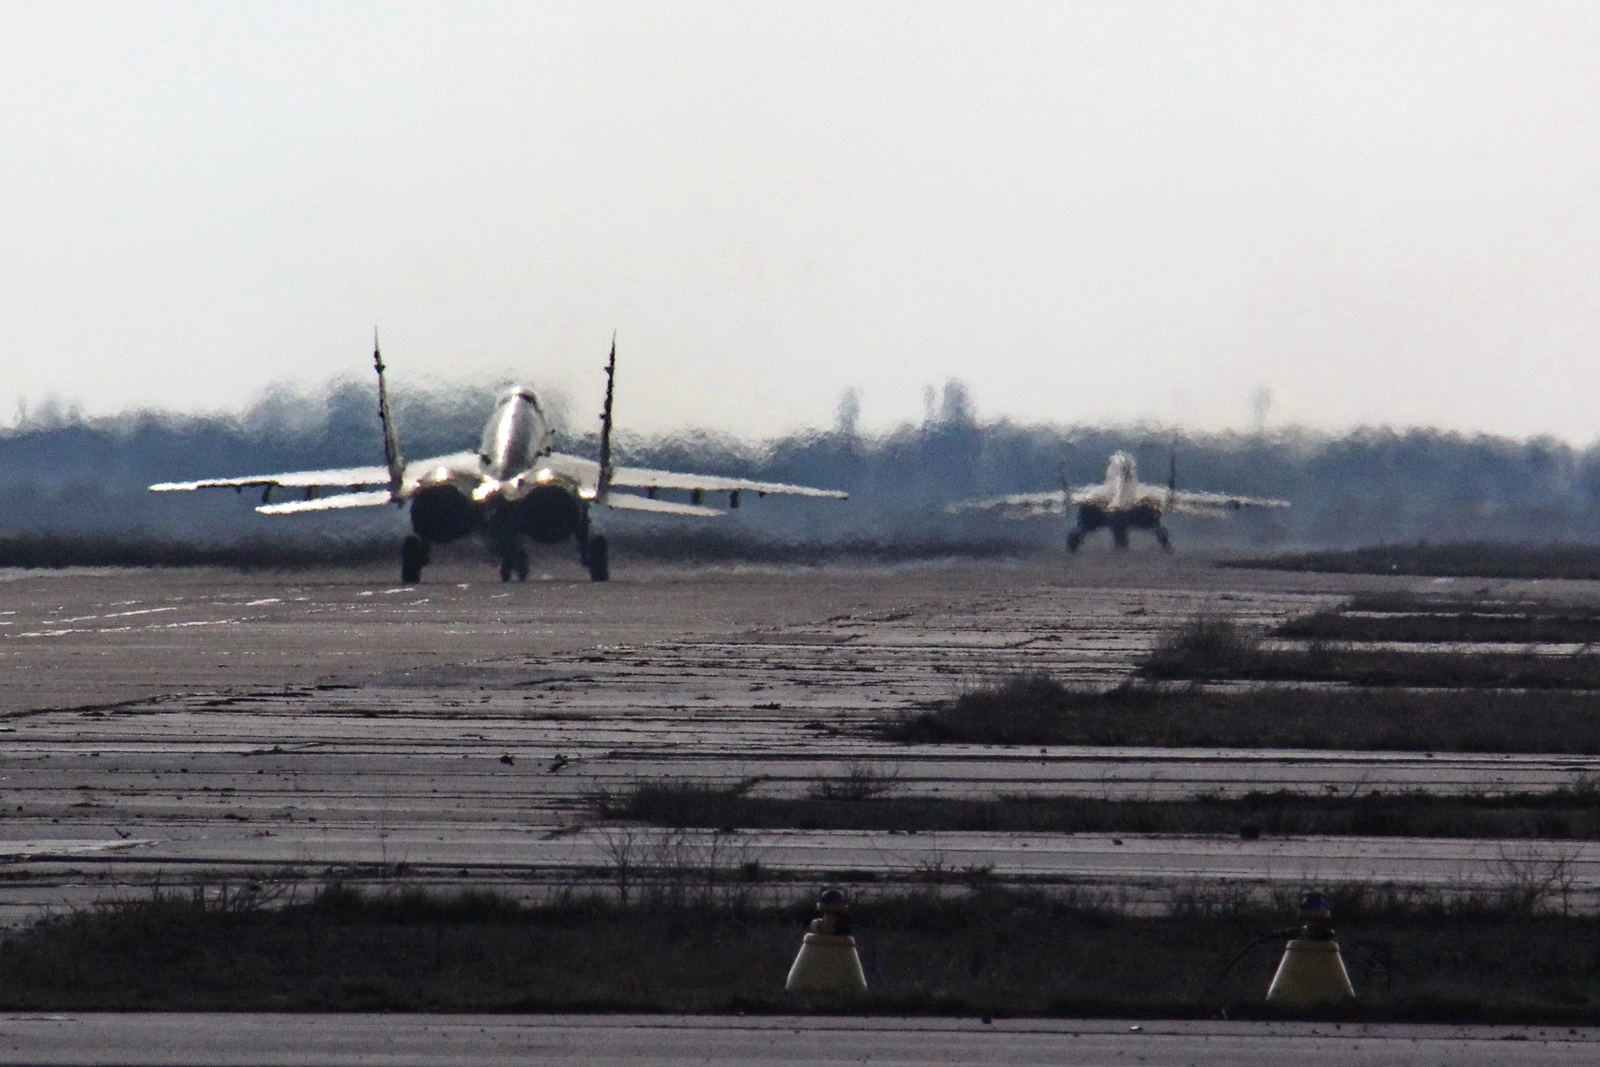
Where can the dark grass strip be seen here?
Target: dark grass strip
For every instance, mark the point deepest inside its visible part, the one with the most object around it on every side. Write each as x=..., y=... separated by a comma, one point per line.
x=1464, y=625
x=1412, y=617
x=1212, y=649
x=1568, y=813
x=1462, y=559
x=1390, y=668
x=1480, y=604
x=988, y=951
x=1038, y=710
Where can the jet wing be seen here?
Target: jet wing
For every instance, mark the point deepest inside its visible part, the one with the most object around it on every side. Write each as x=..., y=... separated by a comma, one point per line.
x=329, y=503
x=644, y=478
x=586, y=472
x=1029, y=505
x=1015, y=506
x=1215, y=505
x=343, y=478
x=629, y=502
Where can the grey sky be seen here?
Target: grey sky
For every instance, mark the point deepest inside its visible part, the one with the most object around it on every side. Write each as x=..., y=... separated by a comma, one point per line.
x=1384, y=212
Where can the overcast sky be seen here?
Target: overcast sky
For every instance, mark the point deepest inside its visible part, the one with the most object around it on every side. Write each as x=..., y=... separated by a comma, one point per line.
x=1384, y=213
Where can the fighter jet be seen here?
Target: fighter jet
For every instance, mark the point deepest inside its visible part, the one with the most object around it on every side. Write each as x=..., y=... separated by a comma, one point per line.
x=514, y=487
x=1120, y=504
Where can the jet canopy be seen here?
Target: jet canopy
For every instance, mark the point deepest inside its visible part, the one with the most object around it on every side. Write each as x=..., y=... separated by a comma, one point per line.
x=516, y=434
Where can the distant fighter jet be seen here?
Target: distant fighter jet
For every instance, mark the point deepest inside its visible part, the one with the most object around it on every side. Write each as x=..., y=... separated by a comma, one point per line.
x=1120, y=504
x=514, y=486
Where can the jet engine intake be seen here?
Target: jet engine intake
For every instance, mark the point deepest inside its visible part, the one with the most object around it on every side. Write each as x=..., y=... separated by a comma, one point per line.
x=442, y=513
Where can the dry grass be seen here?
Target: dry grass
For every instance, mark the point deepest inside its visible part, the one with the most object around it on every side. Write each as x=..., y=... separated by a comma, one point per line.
x=1206, y=646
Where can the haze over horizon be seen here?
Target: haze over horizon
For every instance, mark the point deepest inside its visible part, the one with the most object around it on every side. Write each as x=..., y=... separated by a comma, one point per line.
x=1089, y=213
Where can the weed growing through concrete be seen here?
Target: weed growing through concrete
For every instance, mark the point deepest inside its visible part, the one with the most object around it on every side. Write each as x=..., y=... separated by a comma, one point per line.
x=860, y=781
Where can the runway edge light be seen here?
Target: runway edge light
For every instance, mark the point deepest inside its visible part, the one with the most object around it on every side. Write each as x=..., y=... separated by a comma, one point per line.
x=1311, y=971
x=828, y=961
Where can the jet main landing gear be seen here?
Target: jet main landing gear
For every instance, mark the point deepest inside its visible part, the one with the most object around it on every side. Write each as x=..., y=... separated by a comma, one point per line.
x=593, y=552
x=598, y=559
x=414, y=555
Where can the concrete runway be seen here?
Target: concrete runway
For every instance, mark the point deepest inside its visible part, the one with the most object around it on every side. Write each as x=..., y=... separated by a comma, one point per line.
x=662, y=1041
x=206, y=725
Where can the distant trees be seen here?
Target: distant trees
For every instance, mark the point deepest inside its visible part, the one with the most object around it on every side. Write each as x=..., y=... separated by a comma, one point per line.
x=62, y=470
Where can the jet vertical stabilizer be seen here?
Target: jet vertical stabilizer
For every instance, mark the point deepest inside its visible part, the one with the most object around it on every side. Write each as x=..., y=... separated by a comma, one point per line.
x=391, y=440
x=606, y=469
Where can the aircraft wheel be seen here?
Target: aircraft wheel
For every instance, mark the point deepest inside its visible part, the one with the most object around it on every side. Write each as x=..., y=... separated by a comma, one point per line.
x=1119, y=537
x=1074, y=540
x=1162, y=539
x=599, y=559
x=413, y=555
